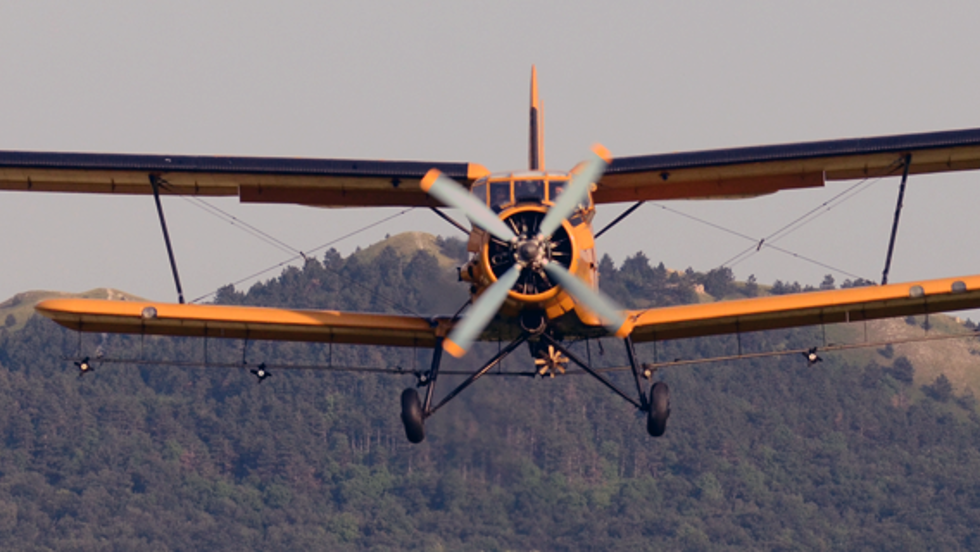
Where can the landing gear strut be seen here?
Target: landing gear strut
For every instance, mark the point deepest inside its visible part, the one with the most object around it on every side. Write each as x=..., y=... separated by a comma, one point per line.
x=414, y=419
x=656, y=404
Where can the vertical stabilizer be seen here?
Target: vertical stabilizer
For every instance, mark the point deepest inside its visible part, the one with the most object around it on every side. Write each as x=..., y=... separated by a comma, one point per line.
x=535, y=151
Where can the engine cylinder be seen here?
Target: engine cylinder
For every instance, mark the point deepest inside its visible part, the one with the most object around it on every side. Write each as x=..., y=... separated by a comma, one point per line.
x=531, y=252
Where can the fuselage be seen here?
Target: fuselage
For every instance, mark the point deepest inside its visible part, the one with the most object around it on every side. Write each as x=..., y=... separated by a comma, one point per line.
x=521, y=200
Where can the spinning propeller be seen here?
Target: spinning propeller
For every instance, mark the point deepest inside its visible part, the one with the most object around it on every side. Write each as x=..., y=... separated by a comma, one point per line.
x=531, y=252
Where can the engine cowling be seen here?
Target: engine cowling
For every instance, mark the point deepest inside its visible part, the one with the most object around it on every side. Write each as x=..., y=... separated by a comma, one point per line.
x=532, y=251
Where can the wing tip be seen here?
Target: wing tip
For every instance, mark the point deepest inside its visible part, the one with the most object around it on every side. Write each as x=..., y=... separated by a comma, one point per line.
x=476, y=171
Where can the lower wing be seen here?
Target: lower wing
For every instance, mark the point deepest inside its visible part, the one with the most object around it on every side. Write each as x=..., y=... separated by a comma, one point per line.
x=324, y=326
x=657, y=324
x=806, y=309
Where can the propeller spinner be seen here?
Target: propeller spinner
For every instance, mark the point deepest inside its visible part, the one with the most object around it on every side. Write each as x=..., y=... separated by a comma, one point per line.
x=531, y=250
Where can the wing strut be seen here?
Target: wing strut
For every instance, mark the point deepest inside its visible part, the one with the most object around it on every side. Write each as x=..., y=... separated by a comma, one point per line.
x=450, y=220
x=898, y=212
x=620, y=218
x=155, y=183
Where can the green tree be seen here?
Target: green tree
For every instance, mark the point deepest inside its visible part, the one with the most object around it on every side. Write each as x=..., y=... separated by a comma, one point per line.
x=902, y=370
x=941, y=389
x=719, y=282
x=828, y=282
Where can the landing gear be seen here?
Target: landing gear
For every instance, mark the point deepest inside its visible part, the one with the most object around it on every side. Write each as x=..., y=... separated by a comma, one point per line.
x=656, y=404
x=551, y=356
x=413, y=416
x=414, y=411
x=658, y=409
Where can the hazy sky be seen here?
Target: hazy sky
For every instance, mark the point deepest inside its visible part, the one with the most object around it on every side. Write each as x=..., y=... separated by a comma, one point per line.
x=448, y=81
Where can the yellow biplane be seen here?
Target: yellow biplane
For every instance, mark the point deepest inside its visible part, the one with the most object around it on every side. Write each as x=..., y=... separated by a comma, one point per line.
x=532, y=266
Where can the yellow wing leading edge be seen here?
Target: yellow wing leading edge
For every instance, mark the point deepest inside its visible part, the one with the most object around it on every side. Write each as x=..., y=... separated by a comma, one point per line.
x=324, y=326
x=806, y=309
x=656, y=324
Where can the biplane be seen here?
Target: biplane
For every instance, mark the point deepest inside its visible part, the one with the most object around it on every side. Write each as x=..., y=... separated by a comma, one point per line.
x=532, y=266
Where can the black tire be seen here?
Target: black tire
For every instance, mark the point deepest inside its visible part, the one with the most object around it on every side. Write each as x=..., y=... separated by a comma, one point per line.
x=412, y=416
x=659, y=409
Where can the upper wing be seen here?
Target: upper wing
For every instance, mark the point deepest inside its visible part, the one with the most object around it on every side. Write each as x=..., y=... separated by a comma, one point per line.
x=806, y=309
x=737, y=172
x=320, y=182
x=93, y=315
x=751, y=171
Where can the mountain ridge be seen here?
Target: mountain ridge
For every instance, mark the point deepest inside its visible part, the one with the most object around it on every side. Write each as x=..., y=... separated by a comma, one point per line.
x=18, y=309
x=761, y=454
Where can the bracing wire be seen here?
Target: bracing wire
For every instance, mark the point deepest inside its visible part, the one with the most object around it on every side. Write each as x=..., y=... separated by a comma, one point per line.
x=812, y=215
x=792, y=226
x=756, y=244
x=803, y=220
x=285, y=247
x=811, y=261
x=827, y=348
x=833, y=202
x=705, y=222
x=390, y=302
x=799, y=222
x=399, y=370
x=235, y=221
x=394, y=370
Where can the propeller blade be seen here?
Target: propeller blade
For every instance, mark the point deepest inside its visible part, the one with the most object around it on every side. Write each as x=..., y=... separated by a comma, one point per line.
x=576, y=191
x=451, y=193
x=470, y=327
x=598, y=303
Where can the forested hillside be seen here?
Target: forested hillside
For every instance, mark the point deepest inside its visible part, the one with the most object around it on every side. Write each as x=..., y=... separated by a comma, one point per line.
x=853, y=453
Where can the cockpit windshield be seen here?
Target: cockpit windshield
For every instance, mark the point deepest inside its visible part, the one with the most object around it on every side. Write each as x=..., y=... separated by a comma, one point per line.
x=528, y=190
x=503, y=191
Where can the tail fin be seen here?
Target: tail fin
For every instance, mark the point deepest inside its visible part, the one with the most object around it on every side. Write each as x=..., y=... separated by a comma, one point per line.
x=535, y=152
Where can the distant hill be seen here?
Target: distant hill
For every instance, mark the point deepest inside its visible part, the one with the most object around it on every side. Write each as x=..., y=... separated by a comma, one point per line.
x=407, y=244
x=864, y=451
x=957, y=359
x=15, y=312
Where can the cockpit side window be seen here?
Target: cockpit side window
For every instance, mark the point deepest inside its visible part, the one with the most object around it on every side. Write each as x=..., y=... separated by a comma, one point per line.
x=528, y=190
x=499, y=195
x=480, y=191
x=555, y=188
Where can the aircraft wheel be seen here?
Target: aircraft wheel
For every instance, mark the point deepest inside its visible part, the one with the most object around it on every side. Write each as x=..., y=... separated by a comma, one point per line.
x=659, y=409
x=412, y=416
